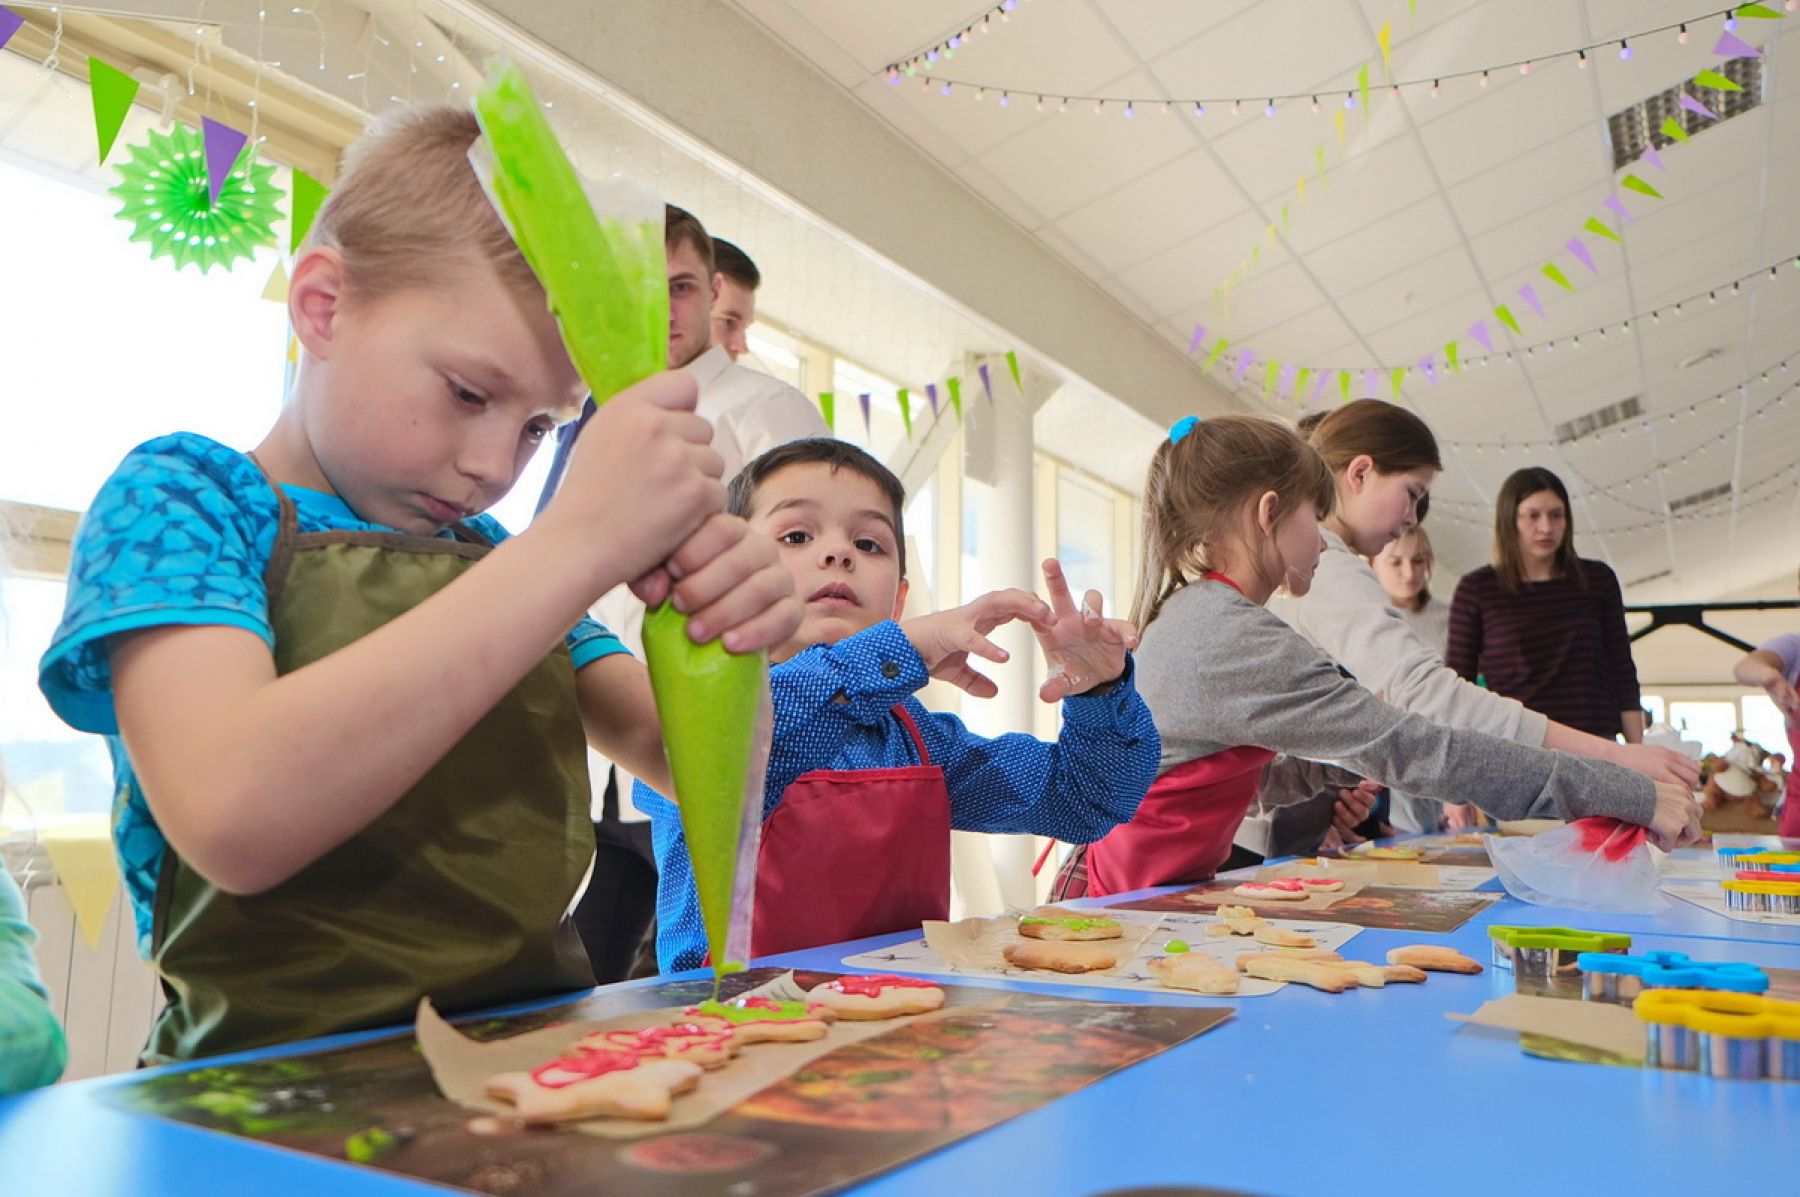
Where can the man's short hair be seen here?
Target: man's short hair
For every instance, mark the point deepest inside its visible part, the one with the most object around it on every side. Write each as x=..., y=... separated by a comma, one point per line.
x=740, y=499
x=681, y=227
x=735, y=264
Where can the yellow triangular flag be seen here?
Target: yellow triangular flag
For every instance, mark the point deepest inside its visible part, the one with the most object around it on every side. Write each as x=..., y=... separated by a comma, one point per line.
x=276, y=289
x=1387, y=52
x=1337, y=118
x=82, y=853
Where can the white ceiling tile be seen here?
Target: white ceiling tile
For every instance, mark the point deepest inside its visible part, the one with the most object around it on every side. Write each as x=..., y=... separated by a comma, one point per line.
x=1171, y=204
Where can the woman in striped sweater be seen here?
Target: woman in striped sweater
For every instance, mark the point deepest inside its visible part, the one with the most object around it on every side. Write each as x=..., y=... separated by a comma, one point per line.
x=1543, y=625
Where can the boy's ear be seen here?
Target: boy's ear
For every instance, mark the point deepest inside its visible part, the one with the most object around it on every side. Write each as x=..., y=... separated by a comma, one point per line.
x=316, y=298
x=900, y=599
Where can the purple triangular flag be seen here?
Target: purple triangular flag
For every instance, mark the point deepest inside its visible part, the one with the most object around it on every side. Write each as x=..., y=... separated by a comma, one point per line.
x=1429, y=365
x=1370, y=379
x=931, y=397
x=1195, y=340
x=1478, y=333
x=1654, y=158
x=985, y=384
x=1732, y=46
x=223, y=145
x=1285, y=384
x=1529, y=294
x=10, y=23
x=1319, y=390
x=1617, y=206
x=1692, y=105
x=1577, y=247
x=1245, y=357
x=862, y=401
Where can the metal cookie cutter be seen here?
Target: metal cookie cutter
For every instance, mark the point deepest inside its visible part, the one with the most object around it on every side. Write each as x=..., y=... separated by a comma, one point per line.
x=1619, y=979
x=1763, y=897
x=1727, y=1035
x=1547, y=958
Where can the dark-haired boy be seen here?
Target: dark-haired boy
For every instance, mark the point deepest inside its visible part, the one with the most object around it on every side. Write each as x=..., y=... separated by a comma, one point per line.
x=864, y=785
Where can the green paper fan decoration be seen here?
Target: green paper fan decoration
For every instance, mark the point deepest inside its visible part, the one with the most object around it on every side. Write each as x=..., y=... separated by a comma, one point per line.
x=163, y=188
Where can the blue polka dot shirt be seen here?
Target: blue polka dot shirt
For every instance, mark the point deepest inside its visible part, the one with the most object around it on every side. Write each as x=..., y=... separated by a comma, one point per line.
x=833, y=707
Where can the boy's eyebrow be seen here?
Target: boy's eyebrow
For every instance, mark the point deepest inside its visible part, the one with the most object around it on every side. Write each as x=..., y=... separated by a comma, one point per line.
x=801, y=501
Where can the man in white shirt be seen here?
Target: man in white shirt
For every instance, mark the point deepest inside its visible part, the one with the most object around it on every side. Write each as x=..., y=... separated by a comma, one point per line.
x=750, y=412
x=735, y=310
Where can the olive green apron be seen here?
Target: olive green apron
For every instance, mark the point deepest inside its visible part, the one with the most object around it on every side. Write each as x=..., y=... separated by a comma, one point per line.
x=460, y=891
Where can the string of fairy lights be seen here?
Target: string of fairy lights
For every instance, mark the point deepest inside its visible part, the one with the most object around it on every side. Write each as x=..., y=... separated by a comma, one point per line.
x=924, y=65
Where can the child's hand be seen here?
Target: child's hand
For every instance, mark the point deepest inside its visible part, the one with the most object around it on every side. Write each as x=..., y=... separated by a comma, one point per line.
x=641, y=481
x=1083, y=649
x=945, y=639
x=1676, y=823
x=1352, y=807
x=732, y=585
x=1784, y=697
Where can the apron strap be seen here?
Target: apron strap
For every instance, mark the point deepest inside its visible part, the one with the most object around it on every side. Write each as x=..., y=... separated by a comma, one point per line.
x=287, y=528
x=912, y=729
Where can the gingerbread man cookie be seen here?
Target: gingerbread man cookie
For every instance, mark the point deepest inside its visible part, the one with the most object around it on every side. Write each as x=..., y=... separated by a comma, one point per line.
x=595, y=1083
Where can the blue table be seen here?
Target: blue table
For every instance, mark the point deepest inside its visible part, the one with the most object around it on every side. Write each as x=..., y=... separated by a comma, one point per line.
x=1302, y=1092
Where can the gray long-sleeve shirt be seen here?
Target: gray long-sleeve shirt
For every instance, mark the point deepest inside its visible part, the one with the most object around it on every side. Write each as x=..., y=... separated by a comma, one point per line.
x=1217, y=670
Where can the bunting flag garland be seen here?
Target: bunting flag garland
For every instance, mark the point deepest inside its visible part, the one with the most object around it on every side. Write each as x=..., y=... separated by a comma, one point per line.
x=954, y=385
x=1634, y=183
x=1012, y=364
x=1504, y=315
x=1529, y=294
x=1452, y=358
x=1300, y=380
x=223, y=145
x=10, y=23
x=905, y=411
x=1579, y=250
x=1195, y=341
x=112, y=91
x=309, y=193
x=1218, y=349
x=986, y=384
x=828, y=409
x=862, y=401
x=931, y=397
x=1396, y=376
x=1270, y=369
x=1690, y=104
x=1599, y=228
x=1478, y=333
x=1554, y=273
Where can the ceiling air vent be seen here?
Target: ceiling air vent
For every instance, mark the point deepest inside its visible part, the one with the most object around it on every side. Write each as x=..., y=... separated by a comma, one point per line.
x=1639, y=127
x=1613, y=413
x=1699, y=497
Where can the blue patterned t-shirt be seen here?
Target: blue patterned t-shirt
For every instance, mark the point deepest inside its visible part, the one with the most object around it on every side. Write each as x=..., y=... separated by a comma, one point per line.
x=180, y=534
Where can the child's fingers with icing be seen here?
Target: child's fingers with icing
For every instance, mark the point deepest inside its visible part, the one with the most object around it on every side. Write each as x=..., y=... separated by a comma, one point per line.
x=1061, y=601
x=999, y=607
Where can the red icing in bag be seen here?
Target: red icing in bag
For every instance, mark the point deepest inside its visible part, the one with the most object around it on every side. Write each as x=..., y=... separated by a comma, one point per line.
x=1612, y=838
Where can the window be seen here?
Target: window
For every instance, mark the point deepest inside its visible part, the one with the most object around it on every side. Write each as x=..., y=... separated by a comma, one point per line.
x=1764, y=724
x=1084, y=537
x=774, y=352
x=1711, y=723
x=921, y=531
x=885, y=431
x=50, y=769
x=1654, y=704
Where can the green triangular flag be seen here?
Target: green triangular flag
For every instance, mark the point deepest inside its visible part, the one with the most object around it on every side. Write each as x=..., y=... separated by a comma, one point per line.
x=1396, y=376
x=1634, y=183
x=1450, y=355
x=1270, y=370
x=828, y=409
x=1671, y=128
x=1555, y=275
x=1715, y=81
x=1300, y=381
x=1217, y=349
x=1758, y=10
x=1504, y=315
x=1362, y=83
x=1256, y=255
x=309, y=193
x=113, y=90
x=1599, y=227
x=1344, y=384
x=1012, y=364
x=955, y=387
x=905, y=412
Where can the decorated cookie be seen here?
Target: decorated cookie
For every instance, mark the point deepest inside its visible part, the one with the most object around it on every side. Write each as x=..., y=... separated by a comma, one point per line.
x=1280, y=937
x=1061, y=957
x=764, y=1020
x=1376, y=976
x=1321, y=885
x=1316, y=973
x=1392, y=853
x=879, y=995
x=1282, y=889
x=1433, y=958
x=1201, y=974
x=1053, y=922
x=595, y=1083
x=697, y=1043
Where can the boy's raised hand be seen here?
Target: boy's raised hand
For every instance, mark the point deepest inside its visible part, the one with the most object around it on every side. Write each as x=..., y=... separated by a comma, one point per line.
x=1083, y=648
x=946, y=639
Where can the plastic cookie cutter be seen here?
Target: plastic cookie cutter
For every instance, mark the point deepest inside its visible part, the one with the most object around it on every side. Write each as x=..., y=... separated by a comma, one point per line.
x=1770, y=873
x=1764, y=858
x=1763, y=897
x=1548, y=952
x=1619, y=979
x=1726, y=1035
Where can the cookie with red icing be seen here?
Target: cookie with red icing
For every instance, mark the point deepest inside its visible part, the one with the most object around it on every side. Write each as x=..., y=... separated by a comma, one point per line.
x=1282, y=889
x=592, y=1082
x=878, y=995
x=697, y=1043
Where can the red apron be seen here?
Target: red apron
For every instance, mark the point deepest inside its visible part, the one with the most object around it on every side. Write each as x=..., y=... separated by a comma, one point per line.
x=855, y=852
x=1183, y=830
x=1790, y=811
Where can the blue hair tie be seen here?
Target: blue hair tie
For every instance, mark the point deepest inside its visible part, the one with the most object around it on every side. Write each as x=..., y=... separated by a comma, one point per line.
x=1181, y=428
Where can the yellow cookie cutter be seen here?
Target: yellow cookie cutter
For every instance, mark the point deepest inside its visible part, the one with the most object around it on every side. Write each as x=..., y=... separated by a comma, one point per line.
x=1712, y=1012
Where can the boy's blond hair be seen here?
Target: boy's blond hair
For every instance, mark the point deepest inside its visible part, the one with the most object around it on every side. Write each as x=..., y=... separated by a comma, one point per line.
x=408, y=210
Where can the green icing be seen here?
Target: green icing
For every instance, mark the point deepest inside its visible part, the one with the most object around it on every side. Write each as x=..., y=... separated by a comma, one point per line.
x=606, y=280
x=1177, y=946
x=788, y=1012
x=1073, y=924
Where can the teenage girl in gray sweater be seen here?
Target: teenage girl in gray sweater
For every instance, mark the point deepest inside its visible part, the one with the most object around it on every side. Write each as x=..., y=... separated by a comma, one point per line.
x=1244, y=704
